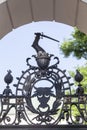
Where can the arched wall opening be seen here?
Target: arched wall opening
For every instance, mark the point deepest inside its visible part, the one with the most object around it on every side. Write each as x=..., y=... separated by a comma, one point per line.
x=15, y=13
x=19, y=15
x=16, y=47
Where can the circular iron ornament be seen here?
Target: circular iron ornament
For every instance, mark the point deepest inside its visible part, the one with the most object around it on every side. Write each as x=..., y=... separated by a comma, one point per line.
x=43, y=91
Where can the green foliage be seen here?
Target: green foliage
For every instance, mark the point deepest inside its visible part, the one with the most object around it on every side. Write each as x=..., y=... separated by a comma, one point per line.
x=76, y=46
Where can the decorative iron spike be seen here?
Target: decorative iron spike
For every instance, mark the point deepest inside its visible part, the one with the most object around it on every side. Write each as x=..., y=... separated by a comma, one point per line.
x=21, y=83
x=62, y=76
x=19, y=89
x=22, y=72
x=71, y=84
x=65, y=82
x=69, y=77
x=17, y=78
x=66, y=88
x=15, y=85
x=64, y=71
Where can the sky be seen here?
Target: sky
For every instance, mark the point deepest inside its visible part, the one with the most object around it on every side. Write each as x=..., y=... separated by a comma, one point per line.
x=15, y=47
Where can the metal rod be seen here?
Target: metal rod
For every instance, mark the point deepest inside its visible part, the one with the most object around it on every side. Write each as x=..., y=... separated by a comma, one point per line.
x=47, y=37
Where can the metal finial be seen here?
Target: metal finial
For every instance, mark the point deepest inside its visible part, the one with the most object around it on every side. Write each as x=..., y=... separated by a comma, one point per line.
x=8, y=78
x=78, y=77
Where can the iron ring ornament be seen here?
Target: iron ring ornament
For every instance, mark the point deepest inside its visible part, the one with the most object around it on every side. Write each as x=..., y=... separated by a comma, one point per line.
x=43, y=102
x=43, y=87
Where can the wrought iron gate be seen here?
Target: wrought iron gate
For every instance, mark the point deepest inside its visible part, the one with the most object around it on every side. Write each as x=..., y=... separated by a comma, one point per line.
x=43, y=95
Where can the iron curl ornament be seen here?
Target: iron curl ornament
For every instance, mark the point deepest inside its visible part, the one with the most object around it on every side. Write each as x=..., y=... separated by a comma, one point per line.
x=43, y=87
x=43, y=94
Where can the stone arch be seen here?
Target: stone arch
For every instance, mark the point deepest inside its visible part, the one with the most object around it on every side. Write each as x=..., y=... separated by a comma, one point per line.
x=15, y=13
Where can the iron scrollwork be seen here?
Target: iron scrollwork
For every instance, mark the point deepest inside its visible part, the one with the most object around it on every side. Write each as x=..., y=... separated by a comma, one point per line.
x=43, y=94
x=43, y=88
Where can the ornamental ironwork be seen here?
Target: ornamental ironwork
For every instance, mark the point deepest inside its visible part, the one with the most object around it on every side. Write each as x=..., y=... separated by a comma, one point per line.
x=43, y=94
